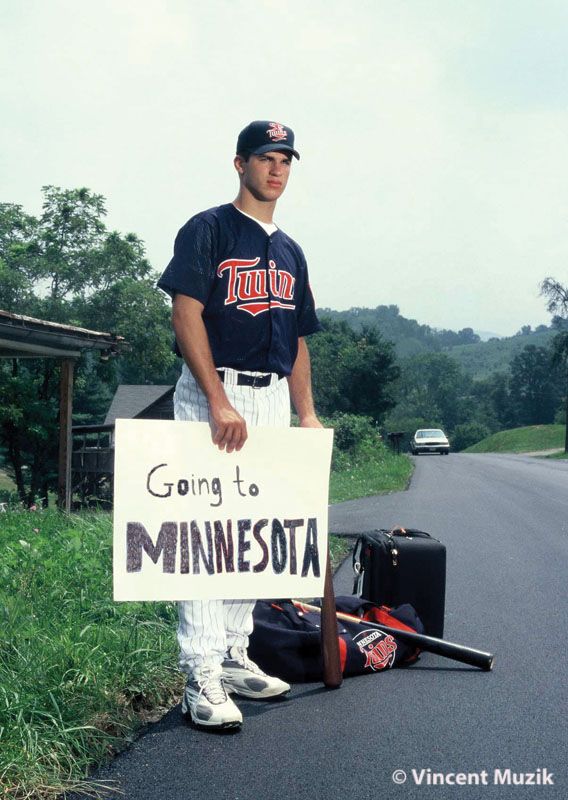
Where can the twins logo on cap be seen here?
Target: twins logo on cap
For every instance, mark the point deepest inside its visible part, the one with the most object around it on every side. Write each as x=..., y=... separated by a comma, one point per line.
x=262, y=136
x=277, y=132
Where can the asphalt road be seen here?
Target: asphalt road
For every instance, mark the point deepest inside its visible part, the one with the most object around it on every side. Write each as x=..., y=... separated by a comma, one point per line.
x=504, y=520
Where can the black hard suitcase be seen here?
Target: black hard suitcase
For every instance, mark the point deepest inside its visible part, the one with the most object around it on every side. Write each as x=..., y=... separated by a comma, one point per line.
x=403, y=566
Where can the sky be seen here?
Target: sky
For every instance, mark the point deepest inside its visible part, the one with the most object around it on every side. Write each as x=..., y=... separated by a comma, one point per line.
x=432, y=134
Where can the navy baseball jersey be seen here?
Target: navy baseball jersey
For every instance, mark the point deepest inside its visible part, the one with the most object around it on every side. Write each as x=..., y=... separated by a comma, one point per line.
x=253, y=286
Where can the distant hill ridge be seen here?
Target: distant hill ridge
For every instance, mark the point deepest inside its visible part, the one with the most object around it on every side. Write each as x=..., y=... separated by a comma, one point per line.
x=477, y=357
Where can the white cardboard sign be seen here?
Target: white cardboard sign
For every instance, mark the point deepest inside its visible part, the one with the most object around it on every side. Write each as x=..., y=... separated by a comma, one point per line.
x=194, y=522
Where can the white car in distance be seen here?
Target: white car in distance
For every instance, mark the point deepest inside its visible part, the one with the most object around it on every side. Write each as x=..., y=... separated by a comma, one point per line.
x=430, y=440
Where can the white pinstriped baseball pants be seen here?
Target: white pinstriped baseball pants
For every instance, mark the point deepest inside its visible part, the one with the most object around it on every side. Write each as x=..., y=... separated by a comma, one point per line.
x=207, y=628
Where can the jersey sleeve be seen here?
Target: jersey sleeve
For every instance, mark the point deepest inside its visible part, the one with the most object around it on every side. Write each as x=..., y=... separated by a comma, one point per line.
x=192, y=268
x=307, y=320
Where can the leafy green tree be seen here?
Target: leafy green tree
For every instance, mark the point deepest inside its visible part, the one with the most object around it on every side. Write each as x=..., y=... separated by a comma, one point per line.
x=367, y=382
x=494, y=407
x=500, y=397
x=535, y=386
x=352, y=429
x=352, y=372
x=327, y=349
x=17, y=256
x=468, y=433
x=28, y=426
x=432, y=386
x=559, y=323
x=67, y=267
x=451, y=338
x=559, y=349
x=557, y=303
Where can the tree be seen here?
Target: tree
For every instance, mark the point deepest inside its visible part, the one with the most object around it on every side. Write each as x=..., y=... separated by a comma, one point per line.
x=556, y=295
x=493, y=399
x=67, y=267
x=28, y=425
x=352, y=372
x=535, y=386
x=559, y=323
x=557, y=304
x=327, y=350
x=451, y=338
x=559, y=348
x=468, y=433
x=369, y=373
x=432, y=386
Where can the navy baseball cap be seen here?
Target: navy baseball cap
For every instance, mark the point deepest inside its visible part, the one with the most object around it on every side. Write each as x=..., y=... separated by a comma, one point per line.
x=262, y=136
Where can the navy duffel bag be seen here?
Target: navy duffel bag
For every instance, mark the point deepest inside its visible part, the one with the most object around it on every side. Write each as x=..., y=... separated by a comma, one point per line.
x=286, y=641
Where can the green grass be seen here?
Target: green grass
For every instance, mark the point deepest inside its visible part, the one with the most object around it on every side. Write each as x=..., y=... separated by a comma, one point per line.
x=339, y=547
x=522, y=440
x=371, y=470
x=78, y=672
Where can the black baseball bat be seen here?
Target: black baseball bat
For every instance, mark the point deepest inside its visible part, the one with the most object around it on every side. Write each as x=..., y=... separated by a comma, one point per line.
x=430, y=644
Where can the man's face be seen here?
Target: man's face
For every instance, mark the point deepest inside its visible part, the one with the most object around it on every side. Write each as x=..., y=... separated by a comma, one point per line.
x=266, y=175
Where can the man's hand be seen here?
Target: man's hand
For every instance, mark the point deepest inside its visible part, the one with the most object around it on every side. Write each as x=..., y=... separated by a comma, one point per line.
x=229, y=430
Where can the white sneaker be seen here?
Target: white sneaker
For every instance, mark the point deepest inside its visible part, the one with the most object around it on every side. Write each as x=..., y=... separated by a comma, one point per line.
x=206, y=701
x=242, y=676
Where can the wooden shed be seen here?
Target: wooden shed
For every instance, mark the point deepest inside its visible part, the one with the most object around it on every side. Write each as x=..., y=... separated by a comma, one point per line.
x=27, y=337
x=93, y=445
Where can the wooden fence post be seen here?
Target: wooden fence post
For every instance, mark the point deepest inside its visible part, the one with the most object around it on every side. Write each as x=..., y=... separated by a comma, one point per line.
x=65, y=437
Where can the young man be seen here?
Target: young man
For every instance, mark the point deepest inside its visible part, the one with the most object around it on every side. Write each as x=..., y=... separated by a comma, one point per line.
x=241, y=307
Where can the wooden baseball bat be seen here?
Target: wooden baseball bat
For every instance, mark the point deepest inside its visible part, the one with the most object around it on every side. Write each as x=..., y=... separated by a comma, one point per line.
x=332, y=675
x=430, y=644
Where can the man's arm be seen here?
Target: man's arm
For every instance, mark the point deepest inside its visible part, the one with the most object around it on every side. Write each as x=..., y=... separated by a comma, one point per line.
x=300, y=383
x=229, y=428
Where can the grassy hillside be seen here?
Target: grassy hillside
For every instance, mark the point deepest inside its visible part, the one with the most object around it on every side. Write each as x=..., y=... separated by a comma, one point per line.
x=522, y=440
x=483, y=358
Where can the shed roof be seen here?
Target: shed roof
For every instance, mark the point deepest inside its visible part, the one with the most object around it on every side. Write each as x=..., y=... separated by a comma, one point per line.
x=27, y=337
x=130, y=400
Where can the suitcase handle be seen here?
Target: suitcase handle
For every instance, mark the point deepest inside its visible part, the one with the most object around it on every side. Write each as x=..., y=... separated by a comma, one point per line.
x=398, y=530
x=357, y=565
x=356, y=556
